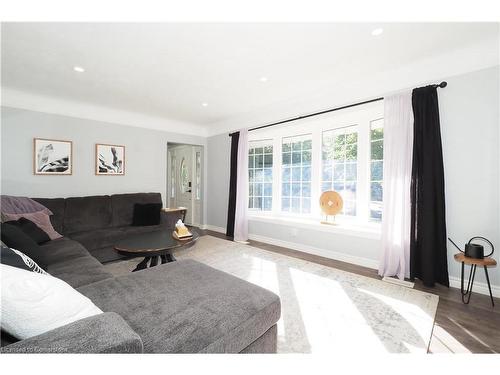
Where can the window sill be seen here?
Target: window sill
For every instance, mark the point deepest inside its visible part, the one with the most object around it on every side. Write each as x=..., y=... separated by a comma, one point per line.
x=371, y=231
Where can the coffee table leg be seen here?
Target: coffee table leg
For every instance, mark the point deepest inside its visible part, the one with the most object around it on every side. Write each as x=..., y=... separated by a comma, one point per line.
x=154, y=261
x=170, y=258
x=163, y=259
x=142, y=265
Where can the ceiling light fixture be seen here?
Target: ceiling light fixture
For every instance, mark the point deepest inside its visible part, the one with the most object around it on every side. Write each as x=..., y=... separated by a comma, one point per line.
x=378, y=31
x=78, y=69
x=204, y=104
x=263, y=79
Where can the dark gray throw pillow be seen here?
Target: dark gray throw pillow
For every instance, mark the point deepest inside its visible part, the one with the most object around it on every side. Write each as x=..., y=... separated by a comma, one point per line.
x=146, y=214
x=15, y=238
x=31, y=229
x=15, y=258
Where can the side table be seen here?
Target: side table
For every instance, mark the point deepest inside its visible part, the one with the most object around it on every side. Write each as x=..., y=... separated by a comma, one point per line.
x=486, y=262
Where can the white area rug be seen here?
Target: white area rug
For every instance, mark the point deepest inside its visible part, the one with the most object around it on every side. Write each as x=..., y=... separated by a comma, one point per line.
x=324, y=310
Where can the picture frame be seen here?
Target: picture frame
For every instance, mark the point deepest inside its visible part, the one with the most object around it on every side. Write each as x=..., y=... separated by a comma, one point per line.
x=52, y=157
x=109, y=160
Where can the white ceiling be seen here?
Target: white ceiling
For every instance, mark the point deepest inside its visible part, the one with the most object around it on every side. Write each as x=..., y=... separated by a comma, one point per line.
x=168, y=70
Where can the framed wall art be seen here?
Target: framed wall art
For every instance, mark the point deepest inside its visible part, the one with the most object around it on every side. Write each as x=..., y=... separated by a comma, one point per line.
x=52, y=157
x=109, y=160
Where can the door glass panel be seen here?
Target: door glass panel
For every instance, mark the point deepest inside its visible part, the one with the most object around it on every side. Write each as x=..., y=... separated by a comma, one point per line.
x=198, y=175
x=184, y=177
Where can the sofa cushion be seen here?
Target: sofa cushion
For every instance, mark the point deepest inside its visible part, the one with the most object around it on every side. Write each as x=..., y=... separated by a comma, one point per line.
x=57, y=206
x=123, y=206
x=15, y=238
x=31, y=229
x=146, y=214
x=34, y=303
x=87, y=213
x=188, y=307
x=15, y=258
x=99, y=238
x=79, y=271
x=62, y=249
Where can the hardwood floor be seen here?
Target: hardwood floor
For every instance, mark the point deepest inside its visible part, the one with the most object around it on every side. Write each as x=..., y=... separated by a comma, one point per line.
x=458, y=328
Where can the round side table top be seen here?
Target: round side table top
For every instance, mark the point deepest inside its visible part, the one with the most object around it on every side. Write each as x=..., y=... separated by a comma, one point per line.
x=460, y=257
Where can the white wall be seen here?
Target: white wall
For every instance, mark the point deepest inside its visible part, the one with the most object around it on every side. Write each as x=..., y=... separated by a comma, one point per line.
x=470, y=136
x=146, y=155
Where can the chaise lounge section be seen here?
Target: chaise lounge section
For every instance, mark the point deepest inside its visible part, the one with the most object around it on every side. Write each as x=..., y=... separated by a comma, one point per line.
x=178, y=307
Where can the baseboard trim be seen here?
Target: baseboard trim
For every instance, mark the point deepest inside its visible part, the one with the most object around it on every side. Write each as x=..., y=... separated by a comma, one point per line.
x=479, y=287
x=213, y=228
x=364, y=262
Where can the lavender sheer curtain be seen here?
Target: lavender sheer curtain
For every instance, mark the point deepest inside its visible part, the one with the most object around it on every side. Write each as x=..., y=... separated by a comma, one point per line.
x=396, y=216
x=241, y=213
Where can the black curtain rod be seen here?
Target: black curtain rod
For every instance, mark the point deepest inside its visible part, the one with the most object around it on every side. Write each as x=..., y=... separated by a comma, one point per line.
x=441, y=85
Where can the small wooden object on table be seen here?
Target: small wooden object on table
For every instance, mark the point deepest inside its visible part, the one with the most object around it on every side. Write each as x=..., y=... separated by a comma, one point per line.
x=331, y=204
x=473, y=262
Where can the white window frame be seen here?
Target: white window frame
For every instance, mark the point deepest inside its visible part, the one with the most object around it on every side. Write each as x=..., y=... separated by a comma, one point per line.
x=361, y=116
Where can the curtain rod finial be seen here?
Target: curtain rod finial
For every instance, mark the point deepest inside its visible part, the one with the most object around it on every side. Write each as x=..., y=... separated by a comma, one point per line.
x=443, y=84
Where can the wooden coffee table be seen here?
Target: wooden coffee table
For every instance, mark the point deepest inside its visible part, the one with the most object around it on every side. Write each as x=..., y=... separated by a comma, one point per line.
x=156, y=247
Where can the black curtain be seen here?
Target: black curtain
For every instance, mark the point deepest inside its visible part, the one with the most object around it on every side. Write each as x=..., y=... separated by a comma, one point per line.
x=428, y=260
x=231, y=207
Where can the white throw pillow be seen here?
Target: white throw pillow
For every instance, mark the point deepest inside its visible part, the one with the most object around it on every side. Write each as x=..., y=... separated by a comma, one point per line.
x=34, y=303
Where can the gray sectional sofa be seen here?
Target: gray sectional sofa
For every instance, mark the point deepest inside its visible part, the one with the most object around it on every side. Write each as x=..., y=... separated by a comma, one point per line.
x=178, y=307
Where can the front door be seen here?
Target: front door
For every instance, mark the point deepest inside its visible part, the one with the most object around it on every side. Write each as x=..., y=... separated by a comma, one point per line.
x=184, y=185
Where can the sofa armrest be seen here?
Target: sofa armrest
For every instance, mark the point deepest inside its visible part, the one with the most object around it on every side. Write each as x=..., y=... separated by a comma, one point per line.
x=169, y=216
x=103, y=333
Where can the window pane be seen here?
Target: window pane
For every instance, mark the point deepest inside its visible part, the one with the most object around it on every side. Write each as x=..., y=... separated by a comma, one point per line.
x=287, y=158
x=376, y=191
x=259, y=161
x=296, y=173
x=341, y=146
x=377, y=150
x=285, y=190
x=268, y=160
x=326, y=186
x=376, y=168
x=268, y=204
x=268, y=175
x=268, y=190
x=296, y=190
x=306, y=157
x=338, y=172
x=351, y=171
x=260, y=154
x=327, y=172
x=306, y=173
x=306, y=190
x=296, y=180
x=286, y=174
x=258, y=175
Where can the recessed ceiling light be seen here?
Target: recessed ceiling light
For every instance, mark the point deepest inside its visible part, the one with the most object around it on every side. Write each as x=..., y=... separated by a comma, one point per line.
x=263, y=79
x=78, y=69
x=204, y=104
x=378, y=31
